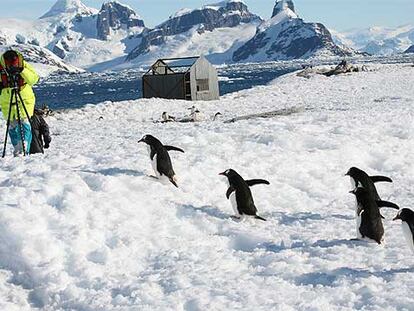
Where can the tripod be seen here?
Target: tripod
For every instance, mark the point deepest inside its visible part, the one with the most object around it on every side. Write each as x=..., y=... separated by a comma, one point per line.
x=14, y=101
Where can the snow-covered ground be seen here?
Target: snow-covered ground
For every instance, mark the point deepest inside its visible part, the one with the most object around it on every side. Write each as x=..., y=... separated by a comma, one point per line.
x=84, y=228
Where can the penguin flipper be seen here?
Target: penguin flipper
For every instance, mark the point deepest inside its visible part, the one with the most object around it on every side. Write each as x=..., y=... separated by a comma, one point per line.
x=380, y=179
x=229, y=191
x=253, y=182
x=258, y=217
x=387, y=204
x=174, y=148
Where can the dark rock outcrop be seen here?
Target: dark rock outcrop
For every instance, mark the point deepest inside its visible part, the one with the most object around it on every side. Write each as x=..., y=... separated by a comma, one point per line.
x=114, y=16
x=282, y=5
x=410, y=49
x=286, y=36
x=226, y=14
x=39, y=55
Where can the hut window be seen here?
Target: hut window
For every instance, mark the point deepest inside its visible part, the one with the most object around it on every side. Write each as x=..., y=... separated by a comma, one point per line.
x=202, y=85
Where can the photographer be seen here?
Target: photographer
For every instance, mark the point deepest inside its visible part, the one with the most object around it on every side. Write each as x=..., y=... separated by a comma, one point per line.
x=17, y=74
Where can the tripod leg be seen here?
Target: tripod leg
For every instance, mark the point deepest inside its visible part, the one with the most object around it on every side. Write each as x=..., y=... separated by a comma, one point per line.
x=8, y=126
x=19, y=120
x=30, y=122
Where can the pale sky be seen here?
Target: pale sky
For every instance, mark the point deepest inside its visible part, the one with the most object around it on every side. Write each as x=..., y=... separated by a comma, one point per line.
x=335, y=14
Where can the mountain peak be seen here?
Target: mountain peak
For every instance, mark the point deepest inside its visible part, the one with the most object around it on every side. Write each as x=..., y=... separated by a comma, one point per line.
x=68, y=7
x=283, y=5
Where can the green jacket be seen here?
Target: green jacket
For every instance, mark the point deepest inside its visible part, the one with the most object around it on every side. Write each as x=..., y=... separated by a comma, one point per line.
x=30, y=78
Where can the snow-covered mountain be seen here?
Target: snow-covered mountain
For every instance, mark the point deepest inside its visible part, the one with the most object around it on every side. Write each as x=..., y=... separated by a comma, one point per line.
x=410, y=49
x=378, y=40
x=68, y=7
x=44, y=61
x=80, y=36
x=114, y=16
x=213, y=30
x=286, y=36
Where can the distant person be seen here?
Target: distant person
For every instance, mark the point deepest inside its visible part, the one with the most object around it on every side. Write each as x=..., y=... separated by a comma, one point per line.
x=17, y=72
x=40, y=131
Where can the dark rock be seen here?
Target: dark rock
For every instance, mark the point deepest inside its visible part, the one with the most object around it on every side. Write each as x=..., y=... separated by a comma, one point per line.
x=230, y=14
x=291, y=38
x=410, y=49
x=114, y=16
x=280, y=6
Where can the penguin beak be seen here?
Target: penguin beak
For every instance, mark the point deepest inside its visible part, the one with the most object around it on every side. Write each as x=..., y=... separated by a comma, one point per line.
x=352, y=191
x=396, y=217
x=140, y=141
x=223, y=174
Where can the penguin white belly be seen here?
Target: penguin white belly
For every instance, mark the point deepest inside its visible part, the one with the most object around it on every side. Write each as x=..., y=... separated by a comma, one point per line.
x=353, y=183
x=408, y=235
x=154, y=166
x=358, y=220
x=153, y=162
x=233, y=202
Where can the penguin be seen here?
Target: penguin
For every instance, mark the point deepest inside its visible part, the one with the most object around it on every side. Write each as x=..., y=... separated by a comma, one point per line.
x=167, y=118
x=368, y=209
x=240, y=195
x=361, y=179
x=407, y=217
x=195, y=114
x=216, y=116
x=160, y=159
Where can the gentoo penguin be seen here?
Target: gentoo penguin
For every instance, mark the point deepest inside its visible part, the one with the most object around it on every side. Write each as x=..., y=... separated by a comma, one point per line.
x=361, y=179
x=195, y=114
x=167, y=118
x=160, y=159
x=368, y=209
x=240, y=195
x=407, y=217
x=216, y=116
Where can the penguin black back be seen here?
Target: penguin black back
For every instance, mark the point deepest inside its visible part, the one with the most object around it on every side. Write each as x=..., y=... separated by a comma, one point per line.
x=371, y=223
x=244, y=197
x=364, y=180
x=163, y=161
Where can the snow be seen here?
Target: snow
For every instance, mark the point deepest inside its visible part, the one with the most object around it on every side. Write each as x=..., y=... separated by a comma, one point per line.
x=222, y=4
x=68, y=6
x=378, y=40
x=84, y=228
x=218, y=45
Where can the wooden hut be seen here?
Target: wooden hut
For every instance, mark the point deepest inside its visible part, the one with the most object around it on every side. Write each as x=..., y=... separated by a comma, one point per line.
x=189, y=78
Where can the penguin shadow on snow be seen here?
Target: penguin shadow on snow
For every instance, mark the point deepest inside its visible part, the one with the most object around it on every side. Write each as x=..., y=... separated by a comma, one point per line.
x=187, y=210
x=115, y=171
x=329, y=278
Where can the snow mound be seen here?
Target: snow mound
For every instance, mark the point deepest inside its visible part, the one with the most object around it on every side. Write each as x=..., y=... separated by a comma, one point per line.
x=84, y=228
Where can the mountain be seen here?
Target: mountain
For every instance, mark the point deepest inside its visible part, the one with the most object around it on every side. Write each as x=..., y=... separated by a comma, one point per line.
x=68, y=7
x=44, y=61
x=378, y=40
x=286, y=36
x=114, y=16
x=410, y=49
x=212, y=30
x=81, y=36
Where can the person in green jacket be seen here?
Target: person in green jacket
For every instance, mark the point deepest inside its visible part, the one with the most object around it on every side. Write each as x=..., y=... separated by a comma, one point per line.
x=14, y=68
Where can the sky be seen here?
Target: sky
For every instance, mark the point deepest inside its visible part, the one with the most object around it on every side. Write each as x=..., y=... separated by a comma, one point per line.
x=335, y=14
